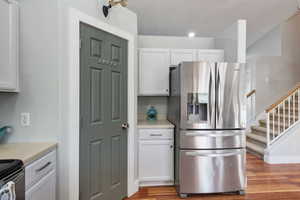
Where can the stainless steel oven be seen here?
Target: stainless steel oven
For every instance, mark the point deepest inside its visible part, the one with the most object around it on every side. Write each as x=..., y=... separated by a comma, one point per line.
x=12, y=180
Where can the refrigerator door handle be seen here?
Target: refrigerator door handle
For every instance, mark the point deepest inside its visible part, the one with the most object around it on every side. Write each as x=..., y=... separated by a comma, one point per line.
x=219, y=101
x=212, y=135
x=211, y=100
x=197, y=154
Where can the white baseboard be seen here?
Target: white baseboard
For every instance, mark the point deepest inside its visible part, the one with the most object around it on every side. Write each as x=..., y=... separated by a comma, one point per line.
x=133, y=189
x=156, y=183
x=282, y=159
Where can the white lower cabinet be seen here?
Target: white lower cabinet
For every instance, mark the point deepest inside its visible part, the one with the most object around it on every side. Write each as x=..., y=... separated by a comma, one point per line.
x=40, y=178
x=44, y=189
x=156, y=157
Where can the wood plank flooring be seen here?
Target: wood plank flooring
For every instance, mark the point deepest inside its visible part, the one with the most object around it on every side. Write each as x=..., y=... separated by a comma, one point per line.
x=265, y=182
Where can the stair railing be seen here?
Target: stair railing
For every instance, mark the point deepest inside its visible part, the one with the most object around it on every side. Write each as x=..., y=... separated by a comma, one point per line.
x=283, y=115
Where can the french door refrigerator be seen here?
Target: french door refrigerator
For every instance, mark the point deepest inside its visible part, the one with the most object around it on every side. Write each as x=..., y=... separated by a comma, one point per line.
x=207, y=106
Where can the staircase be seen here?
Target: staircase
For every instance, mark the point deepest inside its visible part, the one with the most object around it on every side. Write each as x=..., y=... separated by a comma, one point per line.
x=280, y=118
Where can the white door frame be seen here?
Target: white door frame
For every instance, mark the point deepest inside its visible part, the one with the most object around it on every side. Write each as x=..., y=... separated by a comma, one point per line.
x=75, y=17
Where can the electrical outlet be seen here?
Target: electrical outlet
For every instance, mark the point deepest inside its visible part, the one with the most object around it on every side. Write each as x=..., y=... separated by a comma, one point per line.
x=25, y=119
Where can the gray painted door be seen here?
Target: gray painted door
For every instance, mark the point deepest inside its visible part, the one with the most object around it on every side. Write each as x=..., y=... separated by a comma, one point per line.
x=103, y=110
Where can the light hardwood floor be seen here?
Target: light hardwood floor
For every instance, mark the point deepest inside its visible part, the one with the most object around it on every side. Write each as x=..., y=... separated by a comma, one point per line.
x=265, y=182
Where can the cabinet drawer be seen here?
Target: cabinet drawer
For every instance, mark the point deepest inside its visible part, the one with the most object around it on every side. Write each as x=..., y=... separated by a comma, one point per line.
x=156, y=134
x=226, y=139
x=212, y=171
x=40, y=168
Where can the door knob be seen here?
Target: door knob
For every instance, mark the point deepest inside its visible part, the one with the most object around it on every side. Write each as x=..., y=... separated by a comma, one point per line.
x=125, y=126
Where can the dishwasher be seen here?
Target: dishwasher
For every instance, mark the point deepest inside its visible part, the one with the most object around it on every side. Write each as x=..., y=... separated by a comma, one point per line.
x=12, y=180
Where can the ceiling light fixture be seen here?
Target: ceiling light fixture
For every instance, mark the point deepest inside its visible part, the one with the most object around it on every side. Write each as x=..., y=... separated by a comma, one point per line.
x=112, y=3
x=191, y=34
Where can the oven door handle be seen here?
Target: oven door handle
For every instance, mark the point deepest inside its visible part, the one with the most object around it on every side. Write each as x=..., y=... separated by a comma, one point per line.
x=211, y=155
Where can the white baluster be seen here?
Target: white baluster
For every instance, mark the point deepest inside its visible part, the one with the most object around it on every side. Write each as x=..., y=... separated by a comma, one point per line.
x=273, y=124
x=279, y=129
x=298, y=93
x=268, y=129
x=289, y=111
x=294, y=108
x=284, y=114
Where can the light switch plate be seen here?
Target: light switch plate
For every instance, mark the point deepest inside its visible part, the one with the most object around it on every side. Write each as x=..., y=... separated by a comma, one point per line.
x=25, y=119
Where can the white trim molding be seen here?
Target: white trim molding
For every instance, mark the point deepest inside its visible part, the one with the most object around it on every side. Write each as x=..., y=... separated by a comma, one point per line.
x=282, y=159
x=242, y=41
x=75, y=18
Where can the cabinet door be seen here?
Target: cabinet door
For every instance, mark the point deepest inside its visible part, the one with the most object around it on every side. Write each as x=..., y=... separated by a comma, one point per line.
x=44, y=189
x=156, y=161
x=211, y=55
x=183, y=55
x=9, y=39
x=154, y=72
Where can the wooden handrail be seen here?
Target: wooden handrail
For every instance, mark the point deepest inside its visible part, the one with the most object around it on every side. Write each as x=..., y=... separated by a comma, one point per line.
x=290, y=92
x=251, y=93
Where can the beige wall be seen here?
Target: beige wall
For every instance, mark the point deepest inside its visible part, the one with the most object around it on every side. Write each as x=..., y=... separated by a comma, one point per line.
x=275, y=75
x=291, y=39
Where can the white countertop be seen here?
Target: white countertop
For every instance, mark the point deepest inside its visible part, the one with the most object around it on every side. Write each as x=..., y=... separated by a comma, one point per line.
x=155, y=124
x=27, y=152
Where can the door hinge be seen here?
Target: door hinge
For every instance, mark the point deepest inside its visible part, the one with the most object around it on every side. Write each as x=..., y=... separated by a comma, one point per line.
x=80, y=43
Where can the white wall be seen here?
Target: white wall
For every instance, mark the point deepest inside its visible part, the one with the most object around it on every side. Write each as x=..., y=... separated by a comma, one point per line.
x=269, y=45
x=233, y=40
x=38, y=75
x=173, y=42
x=275, y=75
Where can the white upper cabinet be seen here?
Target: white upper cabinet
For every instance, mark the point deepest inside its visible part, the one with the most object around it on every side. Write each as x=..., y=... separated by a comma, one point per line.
x=154, y=72
x=9, y=46
x=183, y=55
x=211, y=55
x=154, y=66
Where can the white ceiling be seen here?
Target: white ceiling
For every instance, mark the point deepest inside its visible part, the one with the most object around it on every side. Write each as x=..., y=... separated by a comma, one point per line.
x=209, y=17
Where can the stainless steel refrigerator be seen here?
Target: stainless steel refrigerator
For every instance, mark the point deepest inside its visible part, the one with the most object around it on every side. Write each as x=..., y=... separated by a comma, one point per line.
x=207, y=106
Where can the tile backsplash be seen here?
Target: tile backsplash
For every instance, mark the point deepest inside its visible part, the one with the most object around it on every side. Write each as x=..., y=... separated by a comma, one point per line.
x=160, y=104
